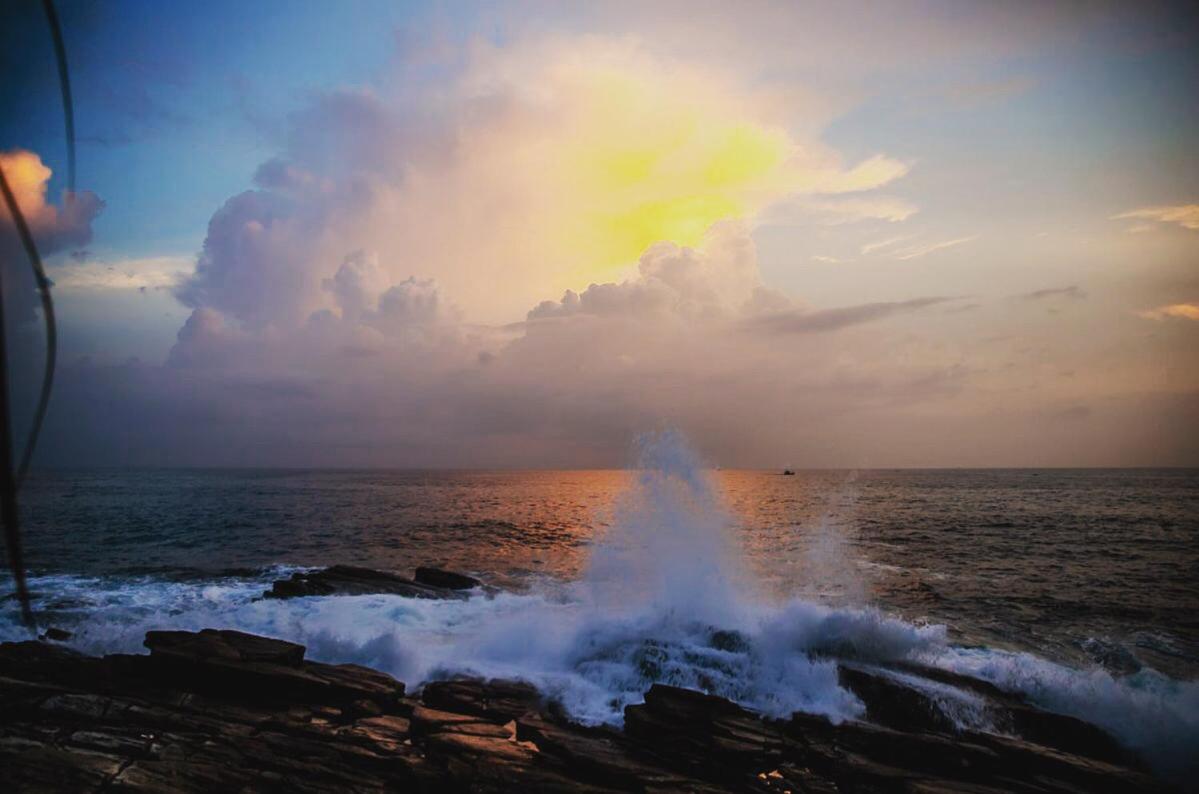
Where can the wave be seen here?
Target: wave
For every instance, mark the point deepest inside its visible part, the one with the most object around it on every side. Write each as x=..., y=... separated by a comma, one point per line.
x=663, y=601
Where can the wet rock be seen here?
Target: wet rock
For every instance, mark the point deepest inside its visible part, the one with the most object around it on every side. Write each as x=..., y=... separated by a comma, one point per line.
x=39, y=662
x=352, y=580
x=227, y=711
x=892, y=702
x=602, y=754
x=230, y=645
x=496, y=700
x=694, y=731
x=55, y=634
x=435, y=577
x=255, y=668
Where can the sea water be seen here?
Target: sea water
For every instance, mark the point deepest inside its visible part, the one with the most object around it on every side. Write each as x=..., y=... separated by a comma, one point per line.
x=1074, y=588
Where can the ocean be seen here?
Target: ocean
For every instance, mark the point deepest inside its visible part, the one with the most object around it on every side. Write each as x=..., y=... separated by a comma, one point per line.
x=1076, y=588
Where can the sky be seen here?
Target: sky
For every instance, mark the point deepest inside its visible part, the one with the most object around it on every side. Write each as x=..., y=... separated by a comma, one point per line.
x=859, y=235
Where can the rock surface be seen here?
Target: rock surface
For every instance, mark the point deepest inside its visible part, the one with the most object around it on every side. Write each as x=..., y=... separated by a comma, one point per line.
x=352, y=580
x=223, y=710
x=436, y=577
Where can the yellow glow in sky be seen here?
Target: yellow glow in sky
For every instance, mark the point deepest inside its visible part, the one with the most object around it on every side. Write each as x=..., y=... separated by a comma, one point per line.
x=656, y=165
x=578, y=156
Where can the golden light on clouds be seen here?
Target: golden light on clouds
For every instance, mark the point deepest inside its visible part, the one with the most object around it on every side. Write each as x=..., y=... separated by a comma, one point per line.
x=1180, y=311
x=658, y=158
x=27, y=176
x=1185, y=215
x=615, y=150
x=53, y=227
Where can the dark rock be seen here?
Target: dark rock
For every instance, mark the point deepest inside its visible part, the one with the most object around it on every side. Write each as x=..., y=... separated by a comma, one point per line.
x=234, y=645
x=255, y=668
x=693, y=731
x=892, y=702
x=227, y=711
x=55, y=634
x=40, y=662
x=603, y=754
x=497, y=700
x=351, y=580
x=435, y=577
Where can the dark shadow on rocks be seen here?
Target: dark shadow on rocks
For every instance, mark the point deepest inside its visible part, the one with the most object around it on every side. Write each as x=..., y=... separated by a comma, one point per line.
x=352, y=580
x=228, y=711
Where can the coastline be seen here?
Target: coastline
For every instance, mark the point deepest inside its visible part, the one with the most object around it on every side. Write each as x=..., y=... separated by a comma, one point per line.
x=226, y=709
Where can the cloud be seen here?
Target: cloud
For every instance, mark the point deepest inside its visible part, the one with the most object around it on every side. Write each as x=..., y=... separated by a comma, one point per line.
x=536, y=169
x=924, y=249
x=391, y=374
x=1184, y=215
x=1179, y=311
x=377, y=263
x=378, y=295
x=54, y=228
x=806, y=322
x=1072, y=292
x=718, y=279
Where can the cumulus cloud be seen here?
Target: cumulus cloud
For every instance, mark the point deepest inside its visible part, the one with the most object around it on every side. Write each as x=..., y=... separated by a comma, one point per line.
x=379, y=295
x=257, y=265
x=536, y=170
x=719, y=279
x=391, y=373
x=382, y=260
x=1184, y=215
x=53, y=227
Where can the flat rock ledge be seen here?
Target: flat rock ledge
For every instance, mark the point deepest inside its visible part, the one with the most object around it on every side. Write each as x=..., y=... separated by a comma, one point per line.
x=227, y=711
x=352, y=580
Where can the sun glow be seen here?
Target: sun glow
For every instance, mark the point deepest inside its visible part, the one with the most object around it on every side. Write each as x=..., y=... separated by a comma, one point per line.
x=675, y=189
x=635, y=150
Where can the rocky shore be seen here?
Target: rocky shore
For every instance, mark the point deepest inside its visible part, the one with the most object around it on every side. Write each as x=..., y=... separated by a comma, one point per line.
x=223, y=710
x=352, y=580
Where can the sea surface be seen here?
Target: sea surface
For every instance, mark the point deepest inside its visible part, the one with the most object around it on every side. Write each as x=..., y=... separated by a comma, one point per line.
x=1078, y=588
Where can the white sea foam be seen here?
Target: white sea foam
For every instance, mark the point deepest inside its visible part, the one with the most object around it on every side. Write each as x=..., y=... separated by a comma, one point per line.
x=664, y=600
x=1153, y=714
x=776, y=660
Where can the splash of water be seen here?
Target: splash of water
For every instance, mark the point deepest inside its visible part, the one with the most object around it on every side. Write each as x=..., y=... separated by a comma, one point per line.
x=664, y=600
x=669, y=549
